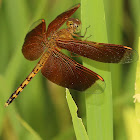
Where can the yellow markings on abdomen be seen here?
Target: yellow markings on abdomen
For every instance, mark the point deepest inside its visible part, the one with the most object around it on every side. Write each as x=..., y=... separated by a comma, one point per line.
x=36, y=69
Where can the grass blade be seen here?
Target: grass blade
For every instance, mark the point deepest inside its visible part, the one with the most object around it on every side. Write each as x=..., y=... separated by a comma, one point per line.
x=35, y=134
x=98, y=107
x=77, y=122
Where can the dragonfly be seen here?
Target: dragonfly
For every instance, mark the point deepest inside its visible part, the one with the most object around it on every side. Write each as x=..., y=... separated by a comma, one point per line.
x=58, y=67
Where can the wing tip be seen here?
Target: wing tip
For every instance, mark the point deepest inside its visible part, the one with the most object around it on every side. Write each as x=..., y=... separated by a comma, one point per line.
x=43, y=20
x=78, y=5
x=100, y=78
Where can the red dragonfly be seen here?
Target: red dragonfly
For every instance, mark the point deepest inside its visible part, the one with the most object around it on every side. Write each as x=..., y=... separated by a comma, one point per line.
x=59, y=68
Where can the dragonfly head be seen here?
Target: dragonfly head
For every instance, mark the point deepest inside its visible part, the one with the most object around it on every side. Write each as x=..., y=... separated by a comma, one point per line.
x=74, y=24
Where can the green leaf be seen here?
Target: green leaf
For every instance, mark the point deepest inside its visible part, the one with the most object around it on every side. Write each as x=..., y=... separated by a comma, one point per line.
x=28, y=127
x=79, y=128
x=98, y=106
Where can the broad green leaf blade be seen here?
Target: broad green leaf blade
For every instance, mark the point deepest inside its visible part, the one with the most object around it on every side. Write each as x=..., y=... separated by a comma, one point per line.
x=79, y=128
x=98, y=107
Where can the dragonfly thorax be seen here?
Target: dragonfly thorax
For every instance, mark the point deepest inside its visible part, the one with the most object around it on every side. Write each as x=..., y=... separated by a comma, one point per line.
x=64, y=34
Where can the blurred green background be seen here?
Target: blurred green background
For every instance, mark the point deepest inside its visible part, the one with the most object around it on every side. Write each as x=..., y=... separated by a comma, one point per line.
x=42, y=112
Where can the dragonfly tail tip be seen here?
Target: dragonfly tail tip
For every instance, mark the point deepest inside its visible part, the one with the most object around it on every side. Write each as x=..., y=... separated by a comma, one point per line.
x=6, y=104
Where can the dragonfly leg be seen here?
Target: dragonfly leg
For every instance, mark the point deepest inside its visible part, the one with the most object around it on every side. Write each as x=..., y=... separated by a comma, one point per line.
x=76, y=35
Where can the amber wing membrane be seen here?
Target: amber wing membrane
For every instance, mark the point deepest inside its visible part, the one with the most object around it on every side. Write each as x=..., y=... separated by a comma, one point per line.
x=60, y=20
x=66, y=72
x=34, y=43
x=102, y=52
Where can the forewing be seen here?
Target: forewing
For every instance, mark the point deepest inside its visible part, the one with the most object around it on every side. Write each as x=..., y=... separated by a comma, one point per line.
x=34, y=43
x=66, y=72
x=102, y=52
x=59, y=20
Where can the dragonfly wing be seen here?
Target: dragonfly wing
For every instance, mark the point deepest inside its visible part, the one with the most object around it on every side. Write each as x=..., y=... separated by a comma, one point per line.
x=66, y=72
x=60, y=20
x=102, y=52
x=34, y=44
